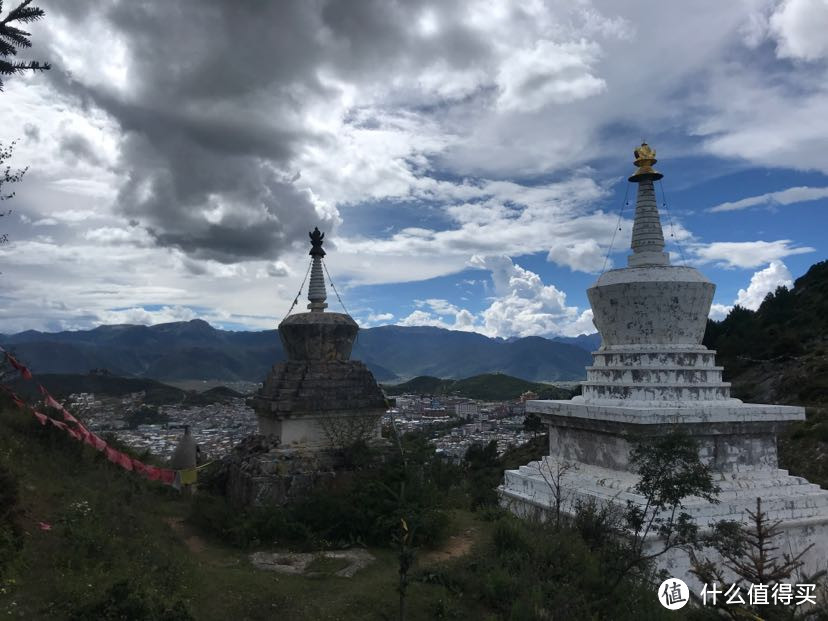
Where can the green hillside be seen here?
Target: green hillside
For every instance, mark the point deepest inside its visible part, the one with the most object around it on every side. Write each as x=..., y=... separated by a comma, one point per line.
x=779, y=353
x=62, y=385
x=486, y=387
x=83, y=540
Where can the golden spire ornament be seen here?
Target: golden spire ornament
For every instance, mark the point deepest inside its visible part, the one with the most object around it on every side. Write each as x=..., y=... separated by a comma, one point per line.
x=645, y=157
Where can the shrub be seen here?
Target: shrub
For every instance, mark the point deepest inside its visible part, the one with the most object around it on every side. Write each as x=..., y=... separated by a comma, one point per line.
x=125, y=600
x=10, y=533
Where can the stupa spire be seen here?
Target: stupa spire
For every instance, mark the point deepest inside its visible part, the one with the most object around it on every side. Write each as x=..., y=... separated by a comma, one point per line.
x=647, y=237
x=316, y=289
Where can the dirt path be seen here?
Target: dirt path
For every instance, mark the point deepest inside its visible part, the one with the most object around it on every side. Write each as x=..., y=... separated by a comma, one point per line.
x=455, y=547
x=194, y=543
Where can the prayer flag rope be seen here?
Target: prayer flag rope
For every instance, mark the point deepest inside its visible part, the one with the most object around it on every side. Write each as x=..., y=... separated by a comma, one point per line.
x=74, y=428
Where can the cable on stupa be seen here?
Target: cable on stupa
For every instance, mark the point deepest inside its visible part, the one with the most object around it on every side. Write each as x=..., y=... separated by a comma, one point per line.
x=302, y=286
x=670, y=220
x=330, y=280
x=617, y=228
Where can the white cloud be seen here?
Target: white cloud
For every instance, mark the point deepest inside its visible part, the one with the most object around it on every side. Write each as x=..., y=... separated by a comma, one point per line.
x=584, y=255
x=789, y=196
x=441, y=314
x=142, y=316
x=484, y=116
x=799, y=27
x=524, y=305
x=379, y=317
x=747, y=254
x=109, y=235
x=549, y=72
x=763, y=282
x=719, y=311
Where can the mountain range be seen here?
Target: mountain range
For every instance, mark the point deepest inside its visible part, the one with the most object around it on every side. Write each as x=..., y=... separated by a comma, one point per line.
x=196, y=350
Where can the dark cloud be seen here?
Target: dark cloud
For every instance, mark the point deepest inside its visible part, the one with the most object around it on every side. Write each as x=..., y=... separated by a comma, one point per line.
x=214, y=112
x=32, y=132
x=75, y=147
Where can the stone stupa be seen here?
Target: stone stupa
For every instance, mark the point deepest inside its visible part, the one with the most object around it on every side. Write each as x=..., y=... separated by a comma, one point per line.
x=310, y=407
x=319, y=397
x=651, y=375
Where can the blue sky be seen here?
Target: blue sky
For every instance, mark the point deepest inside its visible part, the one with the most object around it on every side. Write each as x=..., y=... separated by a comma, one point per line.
x=467, y=160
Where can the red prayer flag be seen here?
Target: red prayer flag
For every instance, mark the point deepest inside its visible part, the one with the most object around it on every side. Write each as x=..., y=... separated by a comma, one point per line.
x=153, y=473
x=42, y=418
x=98, y=442
x=67, y=416
x=111, y=454
x=17, y=400
x=167, y=476
x=139, y=467
x=125, y=461
x=24, y=370
x=58, y=423
x=52, y=402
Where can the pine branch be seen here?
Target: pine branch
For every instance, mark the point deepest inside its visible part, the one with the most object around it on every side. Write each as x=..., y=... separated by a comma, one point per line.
x=24, y=13
x=7, y=68
x=18, y=37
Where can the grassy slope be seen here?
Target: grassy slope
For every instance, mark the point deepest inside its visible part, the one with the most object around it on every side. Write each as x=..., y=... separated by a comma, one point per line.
x=127, y=534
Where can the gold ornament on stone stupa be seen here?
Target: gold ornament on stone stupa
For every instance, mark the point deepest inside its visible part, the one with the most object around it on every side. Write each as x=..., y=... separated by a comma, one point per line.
x=645, y=157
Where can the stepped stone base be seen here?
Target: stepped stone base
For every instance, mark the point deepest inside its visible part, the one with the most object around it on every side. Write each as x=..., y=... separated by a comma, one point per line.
x=737, y=440
x=260, y=472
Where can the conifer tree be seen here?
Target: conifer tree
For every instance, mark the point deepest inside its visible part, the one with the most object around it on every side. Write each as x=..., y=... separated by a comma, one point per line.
x=12, y=39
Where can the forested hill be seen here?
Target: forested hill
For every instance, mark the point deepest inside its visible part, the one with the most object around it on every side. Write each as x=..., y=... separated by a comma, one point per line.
x=778, y=353
x=490, y=386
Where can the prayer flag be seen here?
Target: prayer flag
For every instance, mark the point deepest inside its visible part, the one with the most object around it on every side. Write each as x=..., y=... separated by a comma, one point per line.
x=188, y=476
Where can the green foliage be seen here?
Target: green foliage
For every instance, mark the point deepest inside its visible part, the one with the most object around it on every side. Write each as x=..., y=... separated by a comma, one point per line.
x=670, y=471
x=598, y=524
x=96, y=529
x=527, y=570
x=365, y=510
x=145, y=415
x=127, y=600
x=484, y=473
x=788, y=324
x=533, y=424
x=751, y=555
x=10, y=532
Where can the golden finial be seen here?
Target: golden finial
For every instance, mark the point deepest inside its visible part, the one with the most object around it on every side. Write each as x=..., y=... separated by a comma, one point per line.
x=645, y=157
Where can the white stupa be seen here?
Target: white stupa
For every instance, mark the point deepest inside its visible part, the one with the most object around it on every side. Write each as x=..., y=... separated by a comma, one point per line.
x=652, y=374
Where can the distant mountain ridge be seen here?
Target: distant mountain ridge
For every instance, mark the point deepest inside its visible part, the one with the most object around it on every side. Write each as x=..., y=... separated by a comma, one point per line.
x=196, y=350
